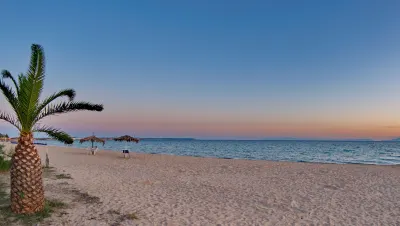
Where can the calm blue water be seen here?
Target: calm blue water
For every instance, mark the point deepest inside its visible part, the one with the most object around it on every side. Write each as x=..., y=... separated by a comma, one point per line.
x=381, y=153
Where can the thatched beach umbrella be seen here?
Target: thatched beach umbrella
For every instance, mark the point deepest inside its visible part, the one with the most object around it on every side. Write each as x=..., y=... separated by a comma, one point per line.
x=92, y=139
x=127, y=138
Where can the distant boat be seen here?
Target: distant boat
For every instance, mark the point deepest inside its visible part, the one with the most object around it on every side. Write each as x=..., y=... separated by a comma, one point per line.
x=38, y=143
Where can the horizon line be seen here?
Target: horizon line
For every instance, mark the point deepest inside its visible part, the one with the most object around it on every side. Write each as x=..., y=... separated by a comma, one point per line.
x=243, y=139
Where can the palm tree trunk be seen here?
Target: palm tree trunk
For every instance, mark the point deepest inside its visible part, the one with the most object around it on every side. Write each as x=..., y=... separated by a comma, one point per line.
x=27, y=193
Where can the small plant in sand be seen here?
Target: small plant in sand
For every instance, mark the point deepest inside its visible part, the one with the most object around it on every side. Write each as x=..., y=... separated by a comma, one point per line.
x=28, y=112
x=6, y=154
x=5, y=163
x=131, y=216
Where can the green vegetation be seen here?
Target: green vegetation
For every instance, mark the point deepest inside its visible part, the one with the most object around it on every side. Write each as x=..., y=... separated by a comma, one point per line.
x=3, y=135
x=131, y=216
x=5, y=164
x=56, y=204
x=7, y=216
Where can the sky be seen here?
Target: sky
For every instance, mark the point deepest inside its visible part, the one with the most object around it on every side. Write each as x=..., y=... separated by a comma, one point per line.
x=215, y=69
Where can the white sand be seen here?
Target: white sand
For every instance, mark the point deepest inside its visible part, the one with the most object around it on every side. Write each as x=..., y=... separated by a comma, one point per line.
x=172, y=190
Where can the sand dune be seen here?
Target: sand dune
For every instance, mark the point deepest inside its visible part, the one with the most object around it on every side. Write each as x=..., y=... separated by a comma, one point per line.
x=174, y=190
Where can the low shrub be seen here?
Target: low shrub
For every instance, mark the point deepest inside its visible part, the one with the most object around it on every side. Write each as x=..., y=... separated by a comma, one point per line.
x=5, y=163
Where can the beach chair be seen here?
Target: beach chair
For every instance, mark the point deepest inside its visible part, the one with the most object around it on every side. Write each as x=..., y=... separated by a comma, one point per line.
x=89, y=150
x=126, y=153
x=94, y=150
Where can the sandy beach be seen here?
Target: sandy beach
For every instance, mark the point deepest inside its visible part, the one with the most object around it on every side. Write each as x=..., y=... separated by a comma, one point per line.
x=176, y=190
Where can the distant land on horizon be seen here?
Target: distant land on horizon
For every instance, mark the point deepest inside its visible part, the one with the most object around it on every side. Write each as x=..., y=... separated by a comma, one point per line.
x=263, y=139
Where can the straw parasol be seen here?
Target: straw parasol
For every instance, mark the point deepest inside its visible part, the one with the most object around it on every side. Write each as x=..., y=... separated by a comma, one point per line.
x=92, y=139
x=127, y=138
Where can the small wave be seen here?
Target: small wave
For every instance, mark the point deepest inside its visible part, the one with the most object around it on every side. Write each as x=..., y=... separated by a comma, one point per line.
x=348, y=150
x=389, y=160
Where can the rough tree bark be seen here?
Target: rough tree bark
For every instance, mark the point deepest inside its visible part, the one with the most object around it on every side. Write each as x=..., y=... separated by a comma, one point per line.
x=27, y=193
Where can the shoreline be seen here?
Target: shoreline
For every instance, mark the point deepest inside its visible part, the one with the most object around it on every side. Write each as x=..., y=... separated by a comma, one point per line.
x=215, y=157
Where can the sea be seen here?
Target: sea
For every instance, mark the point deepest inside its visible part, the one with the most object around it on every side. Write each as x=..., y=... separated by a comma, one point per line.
x=340, y=152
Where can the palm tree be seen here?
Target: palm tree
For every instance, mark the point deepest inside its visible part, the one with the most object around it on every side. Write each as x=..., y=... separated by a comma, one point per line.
x=27, y=194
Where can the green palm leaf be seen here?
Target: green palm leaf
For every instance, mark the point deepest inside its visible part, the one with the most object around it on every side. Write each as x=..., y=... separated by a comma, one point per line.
x=10, y=97
x=20, y=77
x=8, y=118
x=54, y=133
x=65, y=107
x=7, y=74
x=70, y=93
x=31, y=87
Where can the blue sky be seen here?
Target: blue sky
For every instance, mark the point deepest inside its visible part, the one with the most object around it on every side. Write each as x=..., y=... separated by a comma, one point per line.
x=216, y=68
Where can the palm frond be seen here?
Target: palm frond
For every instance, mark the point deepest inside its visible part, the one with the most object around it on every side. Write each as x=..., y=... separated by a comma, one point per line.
x=31, y=86
x=70, y=93
x=8, y=118
x=7, y=74
x=10, y=97
x=36, y=66
x=65, y=107
x=20, y=77
x=54, y=133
